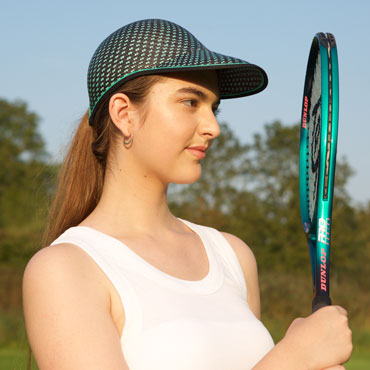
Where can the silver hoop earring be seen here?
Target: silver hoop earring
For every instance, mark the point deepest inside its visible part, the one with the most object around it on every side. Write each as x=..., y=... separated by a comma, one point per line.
x=128, y=142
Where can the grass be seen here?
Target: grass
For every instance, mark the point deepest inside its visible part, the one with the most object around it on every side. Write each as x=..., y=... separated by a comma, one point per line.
x=15, y=359
x=359, y=361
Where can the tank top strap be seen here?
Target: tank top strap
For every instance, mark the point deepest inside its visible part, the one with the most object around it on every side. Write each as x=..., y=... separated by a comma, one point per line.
x=225, y=254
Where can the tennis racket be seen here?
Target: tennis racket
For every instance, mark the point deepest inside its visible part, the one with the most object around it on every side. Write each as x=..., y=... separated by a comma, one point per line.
x=318, y=147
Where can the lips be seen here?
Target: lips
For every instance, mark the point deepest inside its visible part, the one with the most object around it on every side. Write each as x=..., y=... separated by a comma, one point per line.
x=197, y=151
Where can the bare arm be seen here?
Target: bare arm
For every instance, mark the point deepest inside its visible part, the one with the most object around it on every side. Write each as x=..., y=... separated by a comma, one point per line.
x=320, y=341
x=67, y=312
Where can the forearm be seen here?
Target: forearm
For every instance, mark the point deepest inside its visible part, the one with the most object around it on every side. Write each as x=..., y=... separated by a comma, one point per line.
x=284, y=356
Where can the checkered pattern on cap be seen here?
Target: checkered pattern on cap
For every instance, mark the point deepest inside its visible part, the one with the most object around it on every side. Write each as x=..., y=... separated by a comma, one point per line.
x=154, y=46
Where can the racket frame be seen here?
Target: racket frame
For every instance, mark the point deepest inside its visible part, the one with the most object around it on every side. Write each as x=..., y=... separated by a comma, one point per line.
x=318, y=230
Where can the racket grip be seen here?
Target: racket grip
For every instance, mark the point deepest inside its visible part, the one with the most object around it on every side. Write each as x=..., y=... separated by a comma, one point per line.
x=320, y=301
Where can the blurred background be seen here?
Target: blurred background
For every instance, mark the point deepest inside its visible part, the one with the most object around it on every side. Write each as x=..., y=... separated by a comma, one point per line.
x=249, y=185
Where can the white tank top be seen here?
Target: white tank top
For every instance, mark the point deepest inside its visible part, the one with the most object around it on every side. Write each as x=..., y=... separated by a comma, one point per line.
x=175, y=324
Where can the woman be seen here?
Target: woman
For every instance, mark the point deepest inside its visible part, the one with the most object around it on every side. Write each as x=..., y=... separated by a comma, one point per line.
x=124, y=283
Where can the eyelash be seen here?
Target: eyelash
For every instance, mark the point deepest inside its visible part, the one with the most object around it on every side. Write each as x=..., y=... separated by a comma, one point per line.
x=193, y=103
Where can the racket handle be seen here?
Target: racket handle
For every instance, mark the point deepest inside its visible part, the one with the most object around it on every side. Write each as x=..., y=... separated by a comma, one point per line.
x=320, y=301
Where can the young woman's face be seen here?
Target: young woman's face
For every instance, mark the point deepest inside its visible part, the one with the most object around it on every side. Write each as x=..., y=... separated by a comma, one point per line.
x=179, y=126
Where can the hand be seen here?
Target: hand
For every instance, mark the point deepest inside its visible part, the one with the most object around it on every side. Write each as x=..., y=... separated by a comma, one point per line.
x=322, y=340
x=337, y=367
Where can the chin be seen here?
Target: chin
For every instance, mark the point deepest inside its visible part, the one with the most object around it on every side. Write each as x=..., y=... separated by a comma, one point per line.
x=188, y=178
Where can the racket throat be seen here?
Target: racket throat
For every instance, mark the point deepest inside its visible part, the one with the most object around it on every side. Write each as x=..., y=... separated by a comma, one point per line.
x=320, y=301
x=312, y=250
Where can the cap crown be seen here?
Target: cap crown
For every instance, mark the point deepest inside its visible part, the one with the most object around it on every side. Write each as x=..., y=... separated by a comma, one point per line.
x=158, y=46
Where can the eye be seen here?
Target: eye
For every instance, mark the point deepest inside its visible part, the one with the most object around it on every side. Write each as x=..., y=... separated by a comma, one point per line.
x=190, y=102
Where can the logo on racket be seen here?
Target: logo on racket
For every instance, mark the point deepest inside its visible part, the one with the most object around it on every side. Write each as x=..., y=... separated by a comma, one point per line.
x=305, y=109
x=324, y=231
x=323, y=278
x=323, y=237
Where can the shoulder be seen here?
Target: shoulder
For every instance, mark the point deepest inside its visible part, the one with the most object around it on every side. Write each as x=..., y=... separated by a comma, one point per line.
x=61, y=265
x=67, y=311
x=248, y=264
x=62, y=269
x=242, y=250
x=59, y=259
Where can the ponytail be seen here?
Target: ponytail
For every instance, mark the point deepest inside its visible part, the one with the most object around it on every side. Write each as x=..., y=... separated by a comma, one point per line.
x=79, y=187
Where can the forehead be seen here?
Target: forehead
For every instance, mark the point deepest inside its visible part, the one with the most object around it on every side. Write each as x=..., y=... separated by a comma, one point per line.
x=205, y=81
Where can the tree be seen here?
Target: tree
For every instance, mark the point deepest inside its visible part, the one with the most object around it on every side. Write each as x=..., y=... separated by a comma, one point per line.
x=23, y=181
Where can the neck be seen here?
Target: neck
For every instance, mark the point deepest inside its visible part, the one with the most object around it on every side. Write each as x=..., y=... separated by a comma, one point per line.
x=131, y=202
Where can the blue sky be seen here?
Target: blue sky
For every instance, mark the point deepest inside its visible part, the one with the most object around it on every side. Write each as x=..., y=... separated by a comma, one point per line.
x=46, y=47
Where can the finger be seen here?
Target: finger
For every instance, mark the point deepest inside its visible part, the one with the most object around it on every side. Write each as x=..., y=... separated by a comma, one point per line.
x=336, y=367
x=297, y=320
x=341, y=310
x=328, y=309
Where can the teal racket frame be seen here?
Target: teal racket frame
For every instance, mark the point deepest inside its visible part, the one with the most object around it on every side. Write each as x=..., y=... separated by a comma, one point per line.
x=318, y=226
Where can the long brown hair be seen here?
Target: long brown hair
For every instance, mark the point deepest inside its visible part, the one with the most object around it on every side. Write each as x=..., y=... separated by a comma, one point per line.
x=81, y=177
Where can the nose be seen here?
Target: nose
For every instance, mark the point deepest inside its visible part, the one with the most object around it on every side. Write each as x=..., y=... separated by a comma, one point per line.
x=209, y=126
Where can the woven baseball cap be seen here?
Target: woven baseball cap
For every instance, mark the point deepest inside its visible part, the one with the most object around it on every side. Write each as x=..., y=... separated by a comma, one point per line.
x=156, y=46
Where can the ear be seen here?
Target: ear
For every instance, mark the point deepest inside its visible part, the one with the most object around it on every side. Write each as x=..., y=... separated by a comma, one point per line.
x=121, y=112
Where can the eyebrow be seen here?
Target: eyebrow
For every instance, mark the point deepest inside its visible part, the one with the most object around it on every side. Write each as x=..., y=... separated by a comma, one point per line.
x=199, y=93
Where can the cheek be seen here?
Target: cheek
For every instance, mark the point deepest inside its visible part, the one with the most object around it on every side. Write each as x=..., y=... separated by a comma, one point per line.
x=168, y=131
x=161, y=143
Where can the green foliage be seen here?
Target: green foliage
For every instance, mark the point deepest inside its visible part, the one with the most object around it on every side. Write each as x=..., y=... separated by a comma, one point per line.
x=15, y=359
x=19, y=138
x=24, y=182
x=12, y=329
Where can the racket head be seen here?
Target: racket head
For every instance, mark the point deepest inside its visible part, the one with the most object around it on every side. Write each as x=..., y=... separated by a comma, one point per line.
x=318, y=143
